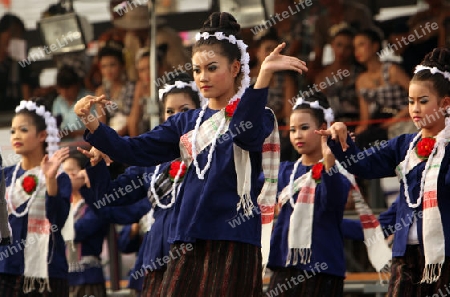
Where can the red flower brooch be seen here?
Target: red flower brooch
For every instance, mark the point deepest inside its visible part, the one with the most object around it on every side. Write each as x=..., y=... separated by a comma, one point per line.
x=29, y=183
x=175, y=167
x=316, y=172
x=425, y=147
x=230, y=108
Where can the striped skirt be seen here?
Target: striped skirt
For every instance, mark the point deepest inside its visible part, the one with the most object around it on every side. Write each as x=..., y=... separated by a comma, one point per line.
x=406, y=274
x=293, y=282
x=12, y=286
x=152, y=283
x=87, y=290
x=213, y=268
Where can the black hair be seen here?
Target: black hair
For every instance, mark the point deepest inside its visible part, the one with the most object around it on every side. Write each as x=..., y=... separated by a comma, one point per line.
x=270, y=34
x=161, y=52
x=37, y=120
x=112, y=49
x=374, y=34
x=67, y=77
x=226, y=23
x=81, y=159
x=184, y=77
x=345, y=31
x=8, y=20
x=317, y=113
x=439, y=58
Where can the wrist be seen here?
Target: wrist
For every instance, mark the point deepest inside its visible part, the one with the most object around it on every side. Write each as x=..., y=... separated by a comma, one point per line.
x=93, y=125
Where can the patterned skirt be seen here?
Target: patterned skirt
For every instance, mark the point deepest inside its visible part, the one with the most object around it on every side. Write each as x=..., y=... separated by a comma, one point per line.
x=406, y=274
x=152, y=283
x=213, y=268
x=293, y=282
x=12, y=286
x=9, y=285
x=87, y=290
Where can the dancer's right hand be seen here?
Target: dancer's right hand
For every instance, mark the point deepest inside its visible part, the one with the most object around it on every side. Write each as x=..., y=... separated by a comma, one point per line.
x=95, y=156
x=338, y=132
x=83, y=110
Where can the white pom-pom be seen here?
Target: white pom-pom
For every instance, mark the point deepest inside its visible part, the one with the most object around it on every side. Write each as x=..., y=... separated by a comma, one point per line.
x=314, y=104
x=219, y=35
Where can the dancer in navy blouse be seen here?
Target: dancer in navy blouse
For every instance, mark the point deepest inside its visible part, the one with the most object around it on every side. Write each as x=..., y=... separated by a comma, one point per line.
x=178, y=95
x=38, y=205
x=421, y=248
x=307, y=249
x=215, y=188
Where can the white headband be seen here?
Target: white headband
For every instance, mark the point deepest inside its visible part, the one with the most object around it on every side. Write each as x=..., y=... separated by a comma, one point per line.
x=245, y=58
x=52, y=130
x=177, y=84
x=327, y=112
x=433, y=70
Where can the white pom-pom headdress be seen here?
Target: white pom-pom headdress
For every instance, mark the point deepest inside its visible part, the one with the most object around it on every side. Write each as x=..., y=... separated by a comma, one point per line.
x=245, y=58
x=52, y=129
x=177, y=84
x=433, y=70
x=327, y=112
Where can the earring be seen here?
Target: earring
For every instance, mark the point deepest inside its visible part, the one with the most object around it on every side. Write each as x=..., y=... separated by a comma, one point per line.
x=448, y=110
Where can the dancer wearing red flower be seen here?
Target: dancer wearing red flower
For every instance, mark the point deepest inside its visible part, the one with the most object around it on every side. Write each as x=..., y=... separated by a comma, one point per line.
x=160, y=185
x=307, y=242
x=421, y=250
x=38, y=204
x=221, y=182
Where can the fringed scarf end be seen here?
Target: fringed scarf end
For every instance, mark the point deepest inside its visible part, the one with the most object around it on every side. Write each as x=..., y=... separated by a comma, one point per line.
x=302, y=254
x=29, y=284
x=431, y=273
x=246, y=204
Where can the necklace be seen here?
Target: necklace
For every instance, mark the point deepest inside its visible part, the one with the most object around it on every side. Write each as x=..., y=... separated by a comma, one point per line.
x=291, y=182
x=424, y=173
x=174, y=190
x=32, y=198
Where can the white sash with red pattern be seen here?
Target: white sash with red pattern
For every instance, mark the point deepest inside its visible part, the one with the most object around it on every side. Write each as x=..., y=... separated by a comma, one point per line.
x=270, y=163
x=301, y=223
x=38, y=232
x=378, y=250
x=432, y=230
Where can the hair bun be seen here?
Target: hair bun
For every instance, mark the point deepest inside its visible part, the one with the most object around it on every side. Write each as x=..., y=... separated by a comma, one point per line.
x=439, y=58
x=221, y=22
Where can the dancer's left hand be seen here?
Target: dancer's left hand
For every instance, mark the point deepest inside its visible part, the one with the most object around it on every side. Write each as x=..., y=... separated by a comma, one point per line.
x=50, y=166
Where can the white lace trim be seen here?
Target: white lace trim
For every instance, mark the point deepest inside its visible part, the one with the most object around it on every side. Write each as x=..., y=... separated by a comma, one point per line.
x=327, y=112
x=177, y=84
x=433, y=70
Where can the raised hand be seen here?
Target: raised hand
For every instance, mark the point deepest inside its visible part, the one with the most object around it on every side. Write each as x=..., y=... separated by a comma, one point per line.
x=338, y=132
x=83, y=110
x=82, y=174
x=83, y=106
x=50, y=166
x=95, y=156
x=277, y=62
